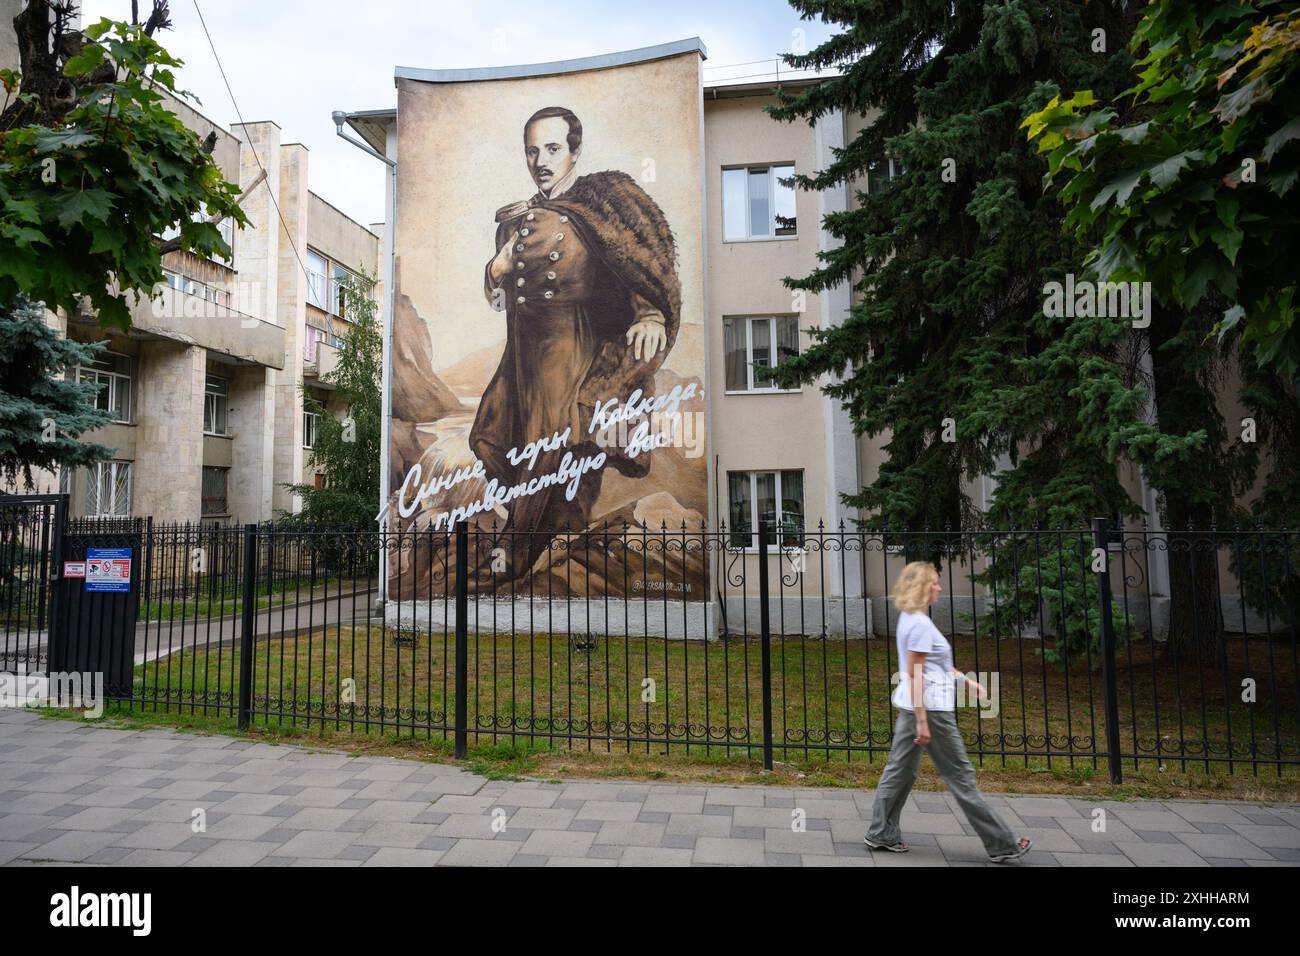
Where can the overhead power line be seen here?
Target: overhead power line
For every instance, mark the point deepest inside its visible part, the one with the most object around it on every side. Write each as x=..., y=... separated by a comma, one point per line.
x=269, y=191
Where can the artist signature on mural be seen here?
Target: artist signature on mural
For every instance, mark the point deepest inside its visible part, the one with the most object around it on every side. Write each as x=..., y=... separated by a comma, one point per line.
x=669, y=587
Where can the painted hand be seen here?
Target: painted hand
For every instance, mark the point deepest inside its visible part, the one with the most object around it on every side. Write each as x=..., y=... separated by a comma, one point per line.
x=646, y=339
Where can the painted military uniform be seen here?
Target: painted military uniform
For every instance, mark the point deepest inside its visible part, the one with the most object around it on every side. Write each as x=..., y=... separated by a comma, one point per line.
x=571, y=286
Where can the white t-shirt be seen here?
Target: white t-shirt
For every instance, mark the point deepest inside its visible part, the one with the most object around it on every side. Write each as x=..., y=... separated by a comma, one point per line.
x=916, y=632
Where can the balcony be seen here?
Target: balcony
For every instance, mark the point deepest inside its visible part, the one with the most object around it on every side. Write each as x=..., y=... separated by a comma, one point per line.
x=321, y=360
x=188, y=318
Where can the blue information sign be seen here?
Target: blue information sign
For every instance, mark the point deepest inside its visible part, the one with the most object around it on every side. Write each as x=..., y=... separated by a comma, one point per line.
x=108, y=569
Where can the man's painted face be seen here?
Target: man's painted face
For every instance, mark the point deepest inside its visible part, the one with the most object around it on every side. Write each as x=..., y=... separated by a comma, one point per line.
x=546, y=147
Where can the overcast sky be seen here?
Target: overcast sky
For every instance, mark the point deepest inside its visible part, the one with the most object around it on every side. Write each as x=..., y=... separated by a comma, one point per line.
x=295, y=61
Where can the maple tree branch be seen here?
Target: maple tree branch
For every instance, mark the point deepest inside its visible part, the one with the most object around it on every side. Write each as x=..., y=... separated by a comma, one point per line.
x=174, y=244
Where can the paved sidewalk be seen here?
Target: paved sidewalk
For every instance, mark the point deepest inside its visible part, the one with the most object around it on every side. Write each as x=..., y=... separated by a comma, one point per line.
x=72, y=792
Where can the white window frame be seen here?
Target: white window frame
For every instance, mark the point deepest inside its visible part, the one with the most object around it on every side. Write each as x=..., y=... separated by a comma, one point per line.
x=750, y=387
x=222, y=396
x=895, y=170
x=116, y=381
x=226, y=227
x=309, y=423
x=318, y=283
x=324, y=291
x=118, y=509
x=748, y=169
x=774, y=545
x=336, y=288
x=201, y=290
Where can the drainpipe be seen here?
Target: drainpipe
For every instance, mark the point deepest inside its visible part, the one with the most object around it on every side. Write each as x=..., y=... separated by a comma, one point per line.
x=386, y=385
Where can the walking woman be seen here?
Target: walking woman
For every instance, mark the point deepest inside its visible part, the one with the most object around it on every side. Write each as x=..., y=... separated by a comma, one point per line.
x=929, y=722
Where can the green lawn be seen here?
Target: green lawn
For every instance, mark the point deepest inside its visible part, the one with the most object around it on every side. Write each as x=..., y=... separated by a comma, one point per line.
x=706, y=698
x=209, y=598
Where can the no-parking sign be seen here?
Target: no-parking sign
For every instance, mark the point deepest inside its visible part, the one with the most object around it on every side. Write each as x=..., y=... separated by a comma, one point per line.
x=108, y=569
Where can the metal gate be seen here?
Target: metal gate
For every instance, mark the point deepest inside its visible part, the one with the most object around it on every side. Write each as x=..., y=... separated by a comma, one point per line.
x=31, y=529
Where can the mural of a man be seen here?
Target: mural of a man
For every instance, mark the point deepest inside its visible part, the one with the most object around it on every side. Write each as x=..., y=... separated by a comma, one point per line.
x=586, y=270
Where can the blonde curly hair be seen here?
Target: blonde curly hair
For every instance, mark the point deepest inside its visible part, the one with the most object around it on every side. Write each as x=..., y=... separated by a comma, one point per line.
x=912, y=589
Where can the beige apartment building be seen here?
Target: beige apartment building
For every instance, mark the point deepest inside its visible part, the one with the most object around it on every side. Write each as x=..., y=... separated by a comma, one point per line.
x=207, y=389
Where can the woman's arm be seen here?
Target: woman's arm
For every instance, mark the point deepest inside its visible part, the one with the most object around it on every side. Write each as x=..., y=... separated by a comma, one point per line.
x=976, y=687
x=916, y=686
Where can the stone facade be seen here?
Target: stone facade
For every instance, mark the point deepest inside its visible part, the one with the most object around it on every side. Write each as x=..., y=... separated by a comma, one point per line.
x=231, y=335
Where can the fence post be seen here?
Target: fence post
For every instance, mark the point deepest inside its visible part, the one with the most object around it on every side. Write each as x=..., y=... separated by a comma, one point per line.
x=146, y=569
x=1101, y=541
x=54, y=657
x=765, y=641
x=248, y=611
x=462, y=639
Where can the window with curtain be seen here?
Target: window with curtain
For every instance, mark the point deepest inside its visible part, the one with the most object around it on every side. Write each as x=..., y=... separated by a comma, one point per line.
x=758, y=202
x=740, y=509
x=774, y=498
x=754, y=346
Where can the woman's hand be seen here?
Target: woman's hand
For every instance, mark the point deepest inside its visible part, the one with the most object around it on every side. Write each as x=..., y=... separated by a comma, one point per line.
x=922, y=731
x=977, y=689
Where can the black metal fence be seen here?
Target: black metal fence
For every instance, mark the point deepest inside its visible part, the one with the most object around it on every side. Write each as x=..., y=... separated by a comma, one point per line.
x=1100, y=649
x=29, y=534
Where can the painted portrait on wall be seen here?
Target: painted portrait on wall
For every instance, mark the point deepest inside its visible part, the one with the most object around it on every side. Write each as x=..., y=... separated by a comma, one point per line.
x=548, y=366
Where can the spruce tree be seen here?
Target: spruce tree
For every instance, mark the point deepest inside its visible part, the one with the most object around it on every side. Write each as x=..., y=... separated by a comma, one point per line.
x=950, y=349
x=43, y=409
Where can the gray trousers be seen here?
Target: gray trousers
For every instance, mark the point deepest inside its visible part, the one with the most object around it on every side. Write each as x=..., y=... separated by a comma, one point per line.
x=949, y=755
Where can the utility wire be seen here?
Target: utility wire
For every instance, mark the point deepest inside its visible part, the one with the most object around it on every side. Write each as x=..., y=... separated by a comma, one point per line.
x=269, y=191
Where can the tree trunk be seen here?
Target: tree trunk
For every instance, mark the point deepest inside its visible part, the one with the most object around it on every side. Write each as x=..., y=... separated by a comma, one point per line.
x=1185, y=403
x=1195, y=614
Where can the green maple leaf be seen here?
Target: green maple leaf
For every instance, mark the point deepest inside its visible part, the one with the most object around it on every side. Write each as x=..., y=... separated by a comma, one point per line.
x=88, y=203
